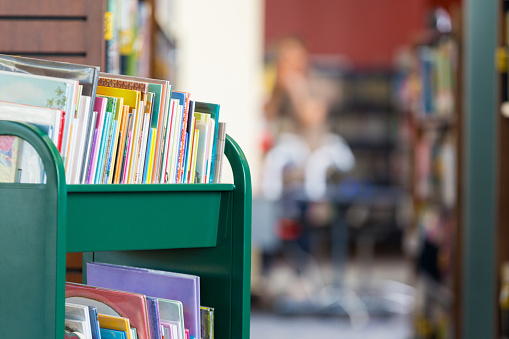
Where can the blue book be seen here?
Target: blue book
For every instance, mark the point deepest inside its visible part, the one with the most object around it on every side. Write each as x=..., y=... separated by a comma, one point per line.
x=102, y=147
x=154, y=319
x=106, y=333
x=94, y=322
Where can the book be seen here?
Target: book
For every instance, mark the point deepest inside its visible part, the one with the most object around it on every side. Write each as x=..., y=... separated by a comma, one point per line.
x=115, y=323
x=86, y=75
x=218, y=158
x=154, y=317
x=171, y=312
x=213, y=110
x=100, y=108
x=112, y=334
x=160, y=284
x=80, y=313
x=29, y=168
x=89, y=140
x=183, y=97
x=94, y=322
x=41, y=91
x=76, y=327
x=78, y=142
x=111, y=302
x=9, y=148
x=203, y=125
x=207, y=322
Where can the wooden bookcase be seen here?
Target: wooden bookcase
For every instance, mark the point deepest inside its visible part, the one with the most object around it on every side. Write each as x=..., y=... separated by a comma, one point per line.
x=202, y=229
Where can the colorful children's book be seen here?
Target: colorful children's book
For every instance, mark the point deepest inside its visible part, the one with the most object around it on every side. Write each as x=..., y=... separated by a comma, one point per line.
x=160, y=284
x=100, y=108
x=111, y=302
x=41, y=91
x=154, y=318
x=115, y=323
x=183, y=98
x=213, y=110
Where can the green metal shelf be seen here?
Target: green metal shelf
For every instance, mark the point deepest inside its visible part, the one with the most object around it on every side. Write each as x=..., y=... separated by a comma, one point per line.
x=202, y=229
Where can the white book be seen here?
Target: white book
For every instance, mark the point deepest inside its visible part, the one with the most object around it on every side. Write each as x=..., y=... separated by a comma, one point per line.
x=78, y=127
x=136, y=143
x=210, y=146
x=88, y=148
x=164, y=177
x=79, y=313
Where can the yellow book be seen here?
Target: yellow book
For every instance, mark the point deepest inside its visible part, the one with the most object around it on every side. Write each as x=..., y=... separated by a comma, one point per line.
x=151, y=158
x=121, y=146
x=115, y=323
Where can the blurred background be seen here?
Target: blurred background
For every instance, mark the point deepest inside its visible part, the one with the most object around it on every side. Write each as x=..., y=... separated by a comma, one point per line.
x=349, y=114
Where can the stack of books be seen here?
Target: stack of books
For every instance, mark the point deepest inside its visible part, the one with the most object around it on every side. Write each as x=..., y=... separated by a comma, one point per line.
x=136, y=303
x=108, y=128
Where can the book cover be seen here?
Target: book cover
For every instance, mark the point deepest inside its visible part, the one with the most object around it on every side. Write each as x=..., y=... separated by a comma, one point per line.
x=172, y=312
x=77, y=144
x=160, y=284
x=86, y=75
x=191, y=122
x=144, y=145
x=213, y=110
x=100, y=108
x=76, y=328
x=207, y=322
x=115, y=323
x=165, y=165
x=9, y=148
x=218, y=158
x=154, y=318
x=203, y=125
x=183, y=97
x=109, y=128
x=79, y=313
x=121, y=145
x=111, y=302
x=41, y=91
x=112, y=334
x=94, y=322
x=89, y=140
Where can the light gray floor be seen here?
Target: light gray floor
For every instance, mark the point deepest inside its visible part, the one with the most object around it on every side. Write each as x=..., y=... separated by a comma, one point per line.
x=270, y=326
x=266, y=324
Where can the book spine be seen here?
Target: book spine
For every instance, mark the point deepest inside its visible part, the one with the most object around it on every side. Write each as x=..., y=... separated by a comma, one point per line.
x=180, y=162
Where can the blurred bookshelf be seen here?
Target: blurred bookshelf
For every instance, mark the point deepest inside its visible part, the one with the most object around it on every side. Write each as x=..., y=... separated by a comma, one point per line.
x=429, y=92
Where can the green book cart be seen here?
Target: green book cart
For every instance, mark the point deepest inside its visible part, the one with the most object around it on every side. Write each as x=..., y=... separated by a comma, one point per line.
x=202, y=229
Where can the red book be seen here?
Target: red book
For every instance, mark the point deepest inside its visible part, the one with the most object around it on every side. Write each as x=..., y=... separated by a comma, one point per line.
x=111, y=302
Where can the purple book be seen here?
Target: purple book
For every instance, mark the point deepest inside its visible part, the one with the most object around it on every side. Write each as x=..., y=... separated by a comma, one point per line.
x=153, y=318
x=159, y=284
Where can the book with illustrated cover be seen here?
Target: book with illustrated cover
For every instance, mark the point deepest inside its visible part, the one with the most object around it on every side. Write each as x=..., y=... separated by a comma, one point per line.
x=160, y=284
x=9, y=148
x=183, y=98
x=213, y=110
x=171, y=313
x=100, y=108
x=76, y=327
x=79, y=313
x=115, y=323
x=203, y=125
x=41, y=91
x=128, y=305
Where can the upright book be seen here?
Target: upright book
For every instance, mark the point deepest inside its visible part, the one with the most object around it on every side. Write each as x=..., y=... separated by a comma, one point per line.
x=161, y=284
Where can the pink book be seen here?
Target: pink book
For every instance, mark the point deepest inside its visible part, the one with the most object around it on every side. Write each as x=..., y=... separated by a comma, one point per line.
x=128, y=305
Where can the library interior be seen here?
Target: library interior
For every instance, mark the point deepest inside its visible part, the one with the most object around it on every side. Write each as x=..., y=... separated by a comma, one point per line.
x=254, y=169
